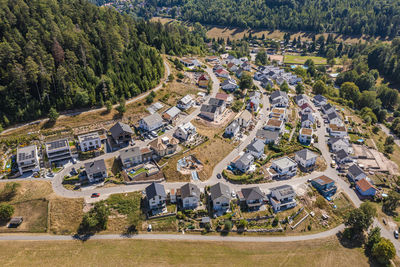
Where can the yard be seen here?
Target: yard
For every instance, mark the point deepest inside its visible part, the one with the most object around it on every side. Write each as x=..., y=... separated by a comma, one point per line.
x=320, y=252
x=297, y=59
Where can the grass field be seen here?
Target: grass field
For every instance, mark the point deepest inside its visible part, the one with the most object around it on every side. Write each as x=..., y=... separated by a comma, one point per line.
x=295, y=59
x=65, y=215
x=324, y=252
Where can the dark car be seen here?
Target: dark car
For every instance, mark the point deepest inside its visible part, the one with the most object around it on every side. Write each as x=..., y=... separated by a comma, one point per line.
x=95, y=195
x=219, y=176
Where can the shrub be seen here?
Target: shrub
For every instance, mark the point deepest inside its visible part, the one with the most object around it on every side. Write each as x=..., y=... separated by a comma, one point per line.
x=228, y=226
x=6, y=211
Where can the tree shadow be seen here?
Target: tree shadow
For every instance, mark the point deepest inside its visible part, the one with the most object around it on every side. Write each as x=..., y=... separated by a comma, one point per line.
x=354, y=242
x=48, y=124
x=82, y=236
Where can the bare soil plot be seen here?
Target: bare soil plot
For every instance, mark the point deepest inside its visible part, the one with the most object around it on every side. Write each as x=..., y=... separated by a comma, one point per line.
x=65, y=215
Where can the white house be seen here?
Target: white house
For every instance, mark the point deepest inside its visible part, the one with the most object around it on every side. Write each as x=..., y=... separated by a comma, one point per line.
x=338, y=143
x=229, y=85
x=185, y=131
x=151, y=122
x=232, y=129
x=278, y=113
x=279, y=99
x=343, y=157
x=282, y=198
x=220, y=196
x=28, y=159
x=89, y=141
x=185, y=103
x=156, y=196
x=328, y=108
x=306, y=109
x=355, y=173
x=190, y=196
x=245, y=119
x=305, y=158
x=301, y=99
x=256, y=148
x=58, y=150
x=244, y=162
x=305, y=135
x=319, y=100
x=307, y=120
x=268, y=136
x=334, y=118
x=134, y=155
x=284, y=167
x=337, y=130
x=274, y=125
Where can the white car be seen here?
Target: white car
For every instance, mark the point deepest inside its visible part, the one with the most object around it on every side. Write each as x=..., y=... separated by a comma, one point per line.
x=233, y=194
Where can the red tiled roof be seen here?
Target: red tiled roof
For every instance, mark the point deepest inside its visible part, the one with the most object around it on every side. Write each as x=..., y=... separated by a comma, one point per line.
x=364, y=185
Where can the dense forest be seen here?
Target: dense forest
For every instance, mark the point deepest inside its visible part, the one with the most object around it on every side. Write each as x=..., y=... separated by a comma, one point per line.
x=72, y=54
x=380, y=17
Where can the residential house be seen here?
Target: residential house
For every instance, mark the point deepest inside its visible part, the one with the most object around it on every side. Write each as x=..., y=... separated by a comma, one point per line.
x=203, y=81
x=279, y=99
x=268, y=136
x=212, y=59
x=256, y=148
x=121, y=133
x=58, y=150
x=185, y=102
x=337, y=143
x=28, y=159
x=284, y=167
x=96, y=170
x=185, y=131
x=225, y=97
x=306, y=158
x=324, y=185
x=188, y=63
x=301, y=99
x=209, y=112
x=89, y=141
x=278, y=113
x=244, y=162
x=254, y=101
x=218, y=67
x=134, y=155
x=252, y=197
x=229, y=85
x=239, y=72
x=305, y=136
x=282, y=198
x=221, y=104
x=246, y=66
x=328, y=108
x=220, y=196
x=274, y=125
x=355, y=173
x=163, y=146
x=365, y=188
x=223, y=73
x=266, y=81
x=307, y=120
x=337, y=130
x=334, y=118
x=306, y=109
x=190, y=196
x=232, y=67
x=171, y=114
x=319, y=100
x=342, y=157
x=245, y=119
x=232, y=129
x=156, y=196
x=151, y=122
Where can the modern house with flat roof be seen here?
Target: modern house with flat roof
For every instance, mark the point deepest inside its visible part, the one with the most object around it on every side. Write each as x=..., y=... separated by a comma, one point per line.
x=28, y=159
x=282, y=198
x=283, y=167
x=324, y=185
x=58, y=150
x=89, y=141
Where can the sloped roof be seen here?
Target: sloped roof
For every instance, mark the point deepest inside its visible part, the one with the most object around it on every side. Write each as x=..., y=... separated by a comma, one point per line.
x=256, y=145
x=355, y=170
x=190, y=190
x=252, y=193
x=364, y=185
x=120, y=128
x=95, y=166
x=153, y=119
x=342, y=154
x=308, y=116
x=155, y=189
x=306, y=154
x=219, y=190
x=267, y=134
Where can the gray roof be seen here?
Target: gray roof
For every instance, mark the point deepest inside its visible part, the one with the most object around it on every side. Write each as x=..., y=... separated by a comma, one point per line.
x=252, y=193
x=219, y=190
x=283, y=191
x=327, y=107
x=24, y=153
x=319, y=98
x=285, y=162
x=53, y=145
x=334, y=140
x=355, y=171
x=153, y=119
x=278, y=93
x=342, y=154
x=306, y=154
x=256, y=145
x=190, y=190
x=88, y=137
x=129, y=153
x=173, y=112
x=300, y=97
x=120, y=128
x=208, y=108
x=155, y=189
x=246, y=159
x=95, y=166
x=308, y=116
x=333, y=115
x=267, y=134
x=216, y=102
x=226, y=82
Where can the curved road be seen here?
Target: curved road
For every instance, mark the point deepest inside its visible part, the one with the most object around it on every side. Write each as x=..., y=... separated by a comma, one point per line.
x=330, y=172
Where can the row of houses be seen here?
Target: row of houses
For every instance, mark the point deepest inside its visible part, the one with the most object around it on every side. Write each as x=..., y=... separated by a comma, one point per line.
x=307, y=119
x=270, y=73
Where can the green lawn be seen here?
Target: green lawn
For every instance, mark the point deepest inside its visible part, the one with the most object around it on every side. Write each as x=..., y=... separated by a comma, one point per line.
x=295, y=59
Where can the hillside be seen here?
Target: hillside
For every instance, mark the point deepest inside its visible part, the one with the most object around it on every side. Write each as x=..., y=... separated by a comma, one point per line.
x=350, y=17
x=69, y=54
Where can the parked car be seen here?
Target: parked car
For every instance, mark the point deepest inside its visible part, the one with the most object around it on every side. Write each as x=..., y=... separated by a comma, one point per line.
x=94, y=195
x=396, y=234
x=219, y=176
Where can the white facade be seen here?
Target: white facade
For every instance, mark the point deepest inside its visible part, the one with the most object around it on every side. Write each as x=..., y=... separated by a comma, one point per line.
x=285, y=166
x=185, y=132
x=89, y=141
x=151, y=122
x=28, y=159
x=232, y=129
x=221, y=202
x=185, y=103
